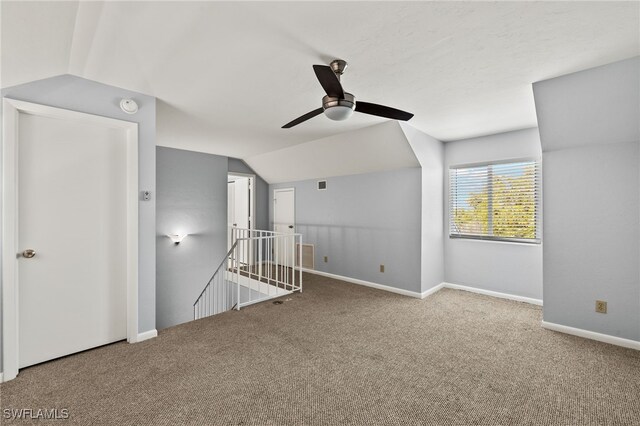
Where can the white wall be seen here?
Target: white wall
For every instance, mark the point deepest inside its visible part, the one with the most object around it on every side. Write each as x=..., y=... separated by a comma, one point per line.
x=360, y=222
x=590, y=130
x=511, y=268
x=430, y=153
x=191, y=199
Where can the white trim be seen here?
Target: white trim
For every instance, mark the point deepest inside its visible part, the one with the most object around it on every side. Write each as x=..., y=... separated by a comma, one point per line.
x=252, y=284
x=606, y=338
x=428, y=292
x=1, y=378
x=240, y=174
x=494, y=293
x=252, y=200
x=141, y=337
x=374, y=285
x=10, y=115
x=294, y=206
x=431, y=291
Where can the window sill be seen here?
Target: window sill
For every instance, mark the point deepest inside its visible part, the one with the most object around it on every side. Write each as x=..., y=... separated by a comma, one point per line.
x=523, y=242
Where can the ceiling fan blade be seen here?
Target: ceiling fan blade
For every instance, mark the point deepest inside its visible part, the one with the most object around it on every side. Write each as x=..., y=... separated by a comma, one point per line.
x=329, y=81
x=303, y=118
x=382, y=111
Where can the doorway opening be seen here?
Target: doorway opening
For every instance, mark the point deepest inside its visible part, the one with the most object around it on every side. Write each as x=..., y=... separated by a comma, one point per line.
x=240, y=205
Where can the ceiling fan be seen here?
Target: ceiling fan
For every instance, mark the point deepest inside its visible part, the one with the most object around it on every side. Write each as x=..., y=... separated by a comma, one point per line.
x=339, y=105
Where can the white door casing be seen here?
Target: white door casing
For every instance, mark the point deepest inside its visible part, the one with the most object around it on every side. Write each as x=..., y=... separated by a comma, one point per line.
x=283, y=220
x=70, y=192
x=240, y=199
x=231, y=212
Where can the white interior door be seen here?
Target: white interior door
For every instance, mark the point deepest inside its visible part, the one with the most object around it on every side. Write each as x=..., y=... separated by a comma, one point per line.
x=239, y=212
x=284, y=222
x=72, y=211
x=241, y=201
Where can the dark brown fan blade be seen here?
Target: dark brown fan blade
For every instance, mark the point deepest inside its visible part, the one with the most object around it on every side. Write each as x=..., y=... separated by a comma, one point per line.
x=329, y=81
x=382, y=111
x=303, y=118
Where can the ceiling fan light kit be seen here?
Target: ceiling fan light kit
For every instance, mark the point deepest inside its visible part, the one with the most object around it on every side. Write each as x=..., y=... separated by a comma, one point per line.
x=339, y=105
x=339, y=109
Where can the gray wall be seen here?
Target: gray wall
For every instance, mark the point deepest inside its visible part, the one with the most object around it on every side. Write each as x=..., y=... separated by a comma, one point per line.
x=511, y=268
x=590, y=131
x=261, y=191
x=430, y=154
x=362, y=221
x=192, y=199
x=78, y=94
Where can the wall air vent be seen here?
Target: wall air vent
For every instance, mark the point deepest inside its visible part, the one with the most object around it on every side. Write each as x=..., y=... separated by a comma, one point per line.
x=322, y=185
x=307, y=252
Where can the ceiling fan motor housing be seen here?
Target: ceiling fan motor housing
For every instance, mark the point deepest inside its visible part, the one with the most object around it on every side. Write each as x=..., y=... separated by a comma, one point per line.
x=338, y=66
x=339, y=108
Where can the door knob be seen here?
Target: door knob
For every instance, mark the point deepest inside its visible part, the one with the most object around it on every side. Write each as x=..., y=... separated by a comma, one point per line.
x=29, y=253
x=290, y=226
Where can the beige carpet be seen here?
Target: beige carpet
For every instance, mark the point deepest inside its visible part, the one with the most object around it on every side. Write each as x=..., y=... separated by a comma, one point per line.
x=342, y=354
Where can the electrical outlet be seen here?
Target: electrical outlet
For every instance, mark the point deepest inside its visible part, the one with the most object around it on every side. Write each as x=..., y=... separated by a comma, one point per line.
x=381, y=268
x=601, y=306
x=326, y=259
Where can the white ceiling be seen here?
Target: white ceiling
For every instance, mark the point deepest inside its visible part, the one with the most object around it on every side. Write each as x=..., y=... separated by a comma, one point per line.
x=375, y=148
x=229, y=75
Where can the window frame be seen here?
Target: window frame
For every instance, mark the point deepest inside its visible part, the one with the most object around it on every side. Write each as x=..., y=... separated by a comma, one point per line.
x=538, y=203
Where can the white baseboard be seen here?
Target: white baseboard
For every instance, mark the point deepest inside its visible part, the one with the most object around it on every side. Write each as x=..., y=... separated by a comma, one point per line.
x=494, y=293
x=432, y=290
x=429, y=292
x=1, y=378
x=606, y=338
x=141, y=337
x=370, y=284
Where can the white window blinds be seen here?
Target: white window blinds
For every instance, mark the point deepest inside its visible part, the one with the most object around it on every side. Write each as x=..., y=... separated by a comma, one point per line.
x=498, y=201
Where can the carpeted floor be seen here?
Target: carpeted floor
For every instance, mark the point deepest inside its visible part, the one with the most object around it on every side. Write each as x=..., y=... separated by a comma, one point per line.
x=341, y=354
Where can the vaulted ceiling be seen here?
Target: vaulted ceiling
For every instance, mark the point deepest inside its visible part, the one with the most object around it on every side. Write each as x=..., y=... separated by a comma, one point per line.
x=228, y=75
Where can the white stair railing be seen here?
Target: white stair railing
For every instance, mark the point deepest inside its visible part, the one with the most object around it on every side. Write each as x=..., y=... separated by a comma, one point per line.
x=260, y=265
x=219, y=295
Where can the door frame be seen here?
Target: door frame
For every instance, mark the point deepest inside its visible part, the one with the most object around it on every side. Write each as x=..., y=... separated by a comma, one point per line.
x=12, y=109
x=252, y=203
x=294, y=206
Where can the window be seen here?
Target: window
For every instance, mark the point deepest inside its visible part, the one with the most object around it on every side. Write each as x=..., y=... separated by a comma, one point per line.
x=498, y=201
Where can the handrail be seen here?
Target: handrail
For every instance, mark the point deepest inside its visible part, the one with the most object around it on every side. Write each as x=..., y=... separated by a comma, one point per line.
x=260, y=263
x=224, y=260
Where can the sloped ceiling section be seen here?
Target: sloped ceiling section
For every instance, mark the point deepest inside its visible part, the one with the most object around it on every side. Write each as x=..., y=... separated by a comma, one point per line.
x=36, y=40
x=595, y=106
x=228, y=75
x=372, y=149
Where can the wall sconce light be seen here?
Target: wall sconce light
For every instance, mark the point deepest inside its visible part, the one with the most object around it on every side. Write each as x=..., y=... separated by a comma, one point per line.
x=177, y=238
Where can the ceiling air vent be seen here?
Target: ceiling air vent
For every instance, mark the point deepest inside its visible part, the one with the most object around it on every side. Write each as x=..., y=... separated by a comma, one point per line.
x=322, y=185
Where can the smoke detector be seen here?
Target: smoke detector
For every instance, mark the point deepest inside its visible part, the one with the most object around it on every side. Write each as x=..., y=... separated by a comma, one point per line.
x=129, y=106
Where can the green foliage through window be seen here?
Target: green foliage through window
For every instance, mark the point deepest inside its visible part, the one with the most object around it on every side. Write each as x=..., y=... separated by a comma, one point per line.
x=498, y=201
